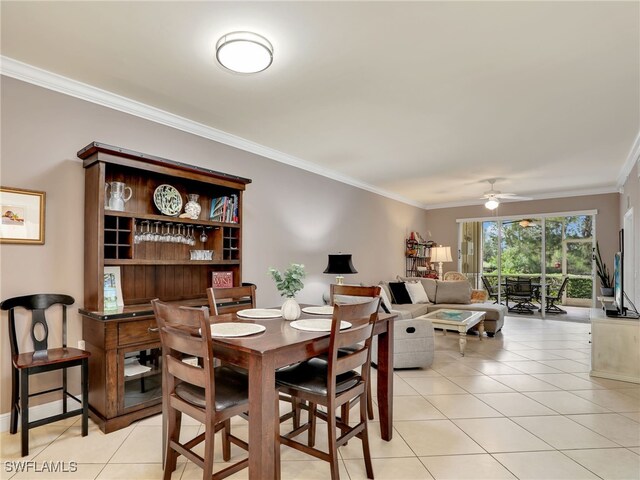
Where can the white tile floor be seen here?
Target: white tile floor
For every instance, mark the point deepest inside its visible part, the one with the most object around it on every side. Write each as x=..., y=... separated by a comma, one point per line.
x=520, y=405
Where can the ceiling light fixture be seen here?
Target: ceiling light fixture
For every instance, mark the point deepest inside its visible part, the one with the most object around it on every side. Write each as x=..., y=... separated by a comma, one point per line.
x=244, y=52
x=492, y=203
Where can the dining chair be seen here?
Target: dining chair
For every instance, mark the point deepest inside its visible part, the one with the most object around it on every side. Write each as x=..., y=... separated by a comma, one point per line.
x=344, y=292
x=492, y=291
x=43, y=359
x=551, y=300
x=231, y=300
x=521, y=292
x=208, y=394
x=334, y=383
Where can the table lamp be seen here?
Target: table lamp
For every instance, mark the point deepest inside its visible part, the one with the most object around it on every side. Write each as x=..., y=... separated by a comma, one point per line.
x=440, y=255
x=340, y=264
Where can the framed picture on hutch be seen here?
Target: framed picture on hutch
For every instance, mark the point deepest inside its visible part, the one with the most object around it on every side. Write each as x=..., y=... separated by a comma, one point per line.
x=21, y=216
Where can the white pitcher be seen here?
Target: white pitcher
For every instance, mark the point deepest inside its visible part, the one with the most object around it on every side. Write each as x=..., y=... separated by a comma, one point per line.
x=117, y=198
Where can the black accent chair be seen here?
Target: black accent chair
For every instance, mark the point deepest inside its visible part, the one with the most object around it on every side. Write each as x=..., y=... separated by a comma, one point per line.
x=520, y=291
x=493, y=291
x=551, y=300
x=43, y=359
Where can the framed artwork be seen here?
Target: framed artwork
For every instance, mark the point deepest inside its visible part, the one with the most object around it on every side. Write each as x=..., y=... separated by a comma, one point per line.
x=22, y=216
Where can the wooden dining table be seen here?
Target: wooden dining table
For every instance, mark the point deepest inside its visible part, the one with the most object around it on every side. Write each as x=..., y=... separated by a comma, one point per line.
x=281, y=345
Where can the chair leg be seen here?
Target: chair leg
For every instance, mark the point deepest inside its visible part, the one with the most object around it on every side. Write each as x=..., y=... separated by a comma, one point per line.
x=344, y=416
x=333, y=447
x=369, y=401
x=226, y=443
x=173, y=435
x=64, y=391
x=312, y=424
x=15, y=398
x=24, y=411
x=85, y=396
x=209, y=438
x=364, y=436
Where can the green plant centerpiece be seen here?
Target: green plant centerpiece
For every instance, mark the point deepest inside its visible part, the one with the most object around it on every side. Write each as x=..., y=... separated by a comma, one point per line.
x=288, y=284
x=606, y=280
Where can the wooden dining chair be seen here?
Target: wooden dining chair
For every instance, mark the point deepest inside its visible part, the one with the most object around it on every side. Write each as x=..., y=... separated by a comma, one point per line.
x=334, y=383
x=231, y=300
x=43, y=359
x=208, y=394
x=344, y=292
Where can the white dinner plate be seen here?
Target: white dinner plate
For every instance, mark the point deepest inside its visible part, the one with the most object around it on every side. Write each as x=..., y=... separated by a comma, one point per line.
x=260, y=313
x=230, y=329
x=317, y=325
x=323, y=310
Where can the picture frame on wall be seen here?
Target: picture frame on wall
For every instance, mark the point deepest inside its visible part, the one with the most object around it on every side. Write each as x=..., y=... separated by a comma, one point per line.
x=22, y=216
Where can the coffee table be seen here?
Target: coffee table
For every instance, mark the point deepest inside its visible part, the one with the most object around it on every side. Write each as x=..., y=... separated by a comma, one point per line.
x=457, y=320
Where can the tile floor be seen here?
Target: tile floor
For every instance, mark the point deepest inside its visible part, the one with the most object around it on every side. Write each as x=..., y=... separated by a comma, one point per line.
x=520, y=405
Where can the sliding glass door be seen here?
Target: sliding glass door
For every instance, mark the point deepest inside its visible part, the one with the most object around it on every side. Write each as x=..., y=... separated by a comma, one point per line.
x=545, y=249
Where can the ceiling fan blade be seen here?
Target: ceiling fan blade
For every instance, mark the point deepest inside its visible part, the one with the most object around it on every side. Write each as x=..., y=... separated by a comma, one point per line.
x=512, y=196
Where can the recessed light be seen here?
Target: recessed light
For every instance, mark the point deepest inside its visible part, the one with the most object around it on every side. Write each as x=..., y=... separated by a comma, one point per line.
x=244, y=52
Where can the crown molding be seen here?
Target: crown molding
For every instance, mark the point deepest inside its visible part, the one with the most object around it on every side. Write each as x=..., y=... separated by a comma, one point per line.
x=632, y=159
x=52, y=81
x=541, y=196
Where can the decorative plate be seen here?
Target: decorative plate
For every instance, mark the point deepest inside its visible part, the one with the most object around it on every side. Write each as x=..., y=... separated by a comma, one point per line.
x=323, y=310
x=231, y=329
x=317, y=325
x=260, y=313
x=168, y=200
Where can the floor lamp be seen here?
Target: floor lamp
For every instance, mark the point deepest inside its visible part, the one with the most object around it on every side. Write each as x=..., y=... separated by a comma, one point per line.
x=440, y=255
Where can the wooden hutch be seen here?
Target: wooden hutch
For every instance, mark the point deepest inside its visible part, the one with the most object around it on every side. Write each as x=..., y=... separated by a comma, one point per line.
x=124, y=370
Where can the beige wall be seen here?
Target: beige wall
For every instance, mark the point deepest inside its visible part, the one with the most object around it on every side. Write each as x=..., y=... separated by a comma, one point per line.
x=290, y=215
x=444, y=229
x=630, y=200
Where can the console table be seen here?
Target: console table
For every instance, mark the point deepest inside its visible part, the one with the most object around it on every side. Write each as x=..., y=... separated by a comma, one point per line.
x=615, y=347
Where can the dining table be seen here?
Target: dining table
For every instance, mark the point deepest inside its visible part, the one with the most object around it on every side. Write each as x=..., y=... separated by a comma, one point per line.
x=280, y=345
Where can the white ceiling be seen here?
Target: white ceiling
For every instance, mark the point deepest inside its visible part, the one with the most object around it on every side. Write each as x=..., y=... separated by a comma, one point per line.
x=422, y=100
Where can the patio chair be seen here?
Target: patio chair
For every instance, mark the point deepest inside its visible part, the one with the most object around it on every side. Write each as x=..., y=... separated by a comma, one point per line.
x=552, y=299
x=521, y=292
x=493, y=291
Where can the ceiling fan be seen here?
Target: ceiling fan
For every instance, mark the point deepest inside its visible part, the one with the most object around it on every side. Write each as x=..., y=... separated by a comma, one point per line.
x=493, y=197
x=524, y=223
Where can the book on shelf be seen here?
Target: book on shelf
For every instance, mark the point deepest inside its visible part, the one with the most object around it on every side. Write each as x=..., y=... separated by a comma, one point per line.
x=224, y=209
x=222, y=279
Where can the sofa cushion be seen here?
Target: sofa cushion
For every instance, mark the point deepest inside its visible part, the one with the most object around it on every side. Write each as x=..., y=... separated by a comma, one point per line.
x=429, y=285
x=399, y=293
x=410, y=310
x=351, y=299
x=453, y=292
x=416, y=292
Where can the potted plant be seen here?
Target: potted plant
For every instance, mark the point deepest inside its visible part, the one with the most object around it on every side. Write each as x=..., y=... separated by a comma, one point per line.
x=606, y=280
x=288, y=284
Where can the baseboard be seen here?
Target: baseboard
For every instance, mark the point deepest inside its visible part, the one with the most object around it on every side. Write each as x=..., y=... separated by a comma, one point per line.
x=38, y=411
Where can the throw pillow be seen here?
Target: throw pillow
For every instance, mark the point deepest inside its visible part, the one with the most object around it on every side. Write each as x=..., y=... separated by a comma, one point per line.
x=453, y=292
x=429, y=285
x=399, y=293
x=416, y=292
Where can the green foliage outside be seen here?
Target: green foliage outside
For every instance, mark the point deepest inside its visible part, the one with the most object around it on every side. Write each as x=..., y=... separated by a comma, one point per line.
x=290, y=282
x=521, y=252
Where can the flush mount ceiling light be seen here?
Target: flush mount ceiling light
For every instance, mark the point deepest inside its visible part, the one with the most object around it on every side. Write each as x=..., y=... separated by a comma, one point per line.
x=492, y=203
x=244, y=52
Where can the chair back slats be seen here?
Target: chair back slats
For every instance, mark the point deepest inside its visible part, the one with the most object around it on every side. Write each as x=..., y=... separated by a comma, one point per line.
x=230, y=300
x=180, y=336
x=353, y=291
x=362, y=317
x=39, y=330
x=185, y=372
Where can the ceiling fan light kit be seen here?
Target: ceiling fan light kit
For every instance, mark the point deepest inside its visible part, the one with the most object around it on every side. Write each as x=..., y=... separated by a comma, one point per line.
x=244, y=52
x=492, y=203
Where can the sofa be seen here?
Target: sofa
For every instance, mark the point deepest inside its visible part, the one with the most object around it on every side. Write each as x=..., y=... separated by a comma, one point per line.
x=448, y=294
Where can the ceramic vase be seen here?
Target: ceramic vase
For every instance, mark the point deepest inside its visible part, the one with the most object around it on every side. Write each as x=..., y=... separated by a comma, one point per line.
x=192, y=207
x=290, y=309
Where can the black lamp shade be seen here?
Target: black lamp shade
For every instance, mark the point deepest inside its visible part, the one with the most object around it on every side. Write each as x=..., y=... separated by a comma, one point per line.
x=340, y=264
